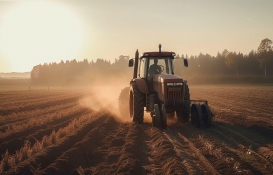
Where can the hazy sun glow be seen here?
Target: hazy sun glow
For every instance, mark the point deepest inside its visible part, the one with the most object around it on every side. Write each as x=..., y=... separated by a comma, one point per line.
x=37, y=32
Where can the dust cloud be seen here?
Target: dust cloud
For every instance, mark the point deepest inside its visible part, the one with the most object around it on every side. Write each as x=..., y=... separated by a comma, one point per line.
x=106, y=98
x=104, y=95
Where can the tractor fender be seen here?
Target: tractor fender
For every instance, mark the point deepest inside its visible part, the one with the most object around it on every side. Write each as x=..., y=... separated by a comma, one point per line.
x=141, y=84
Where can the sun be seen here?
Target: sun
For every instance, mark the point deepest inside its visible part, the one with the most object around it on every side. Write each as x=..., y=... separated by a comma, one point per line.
x=35, y=32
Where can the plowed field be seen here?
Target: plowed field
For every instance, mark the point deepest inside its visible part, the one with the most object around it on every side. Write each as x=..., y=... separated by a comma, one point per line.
x=79, y=132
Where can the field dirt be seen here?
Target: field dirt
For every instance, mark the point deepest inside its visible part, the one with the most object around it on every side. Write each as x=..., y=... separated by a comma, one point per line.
x=79, y=131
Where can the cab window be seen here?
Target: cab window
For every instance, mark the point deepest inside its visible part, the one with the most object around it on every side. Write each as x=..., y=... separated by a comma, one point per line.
x=142, y=68
x=159, y=66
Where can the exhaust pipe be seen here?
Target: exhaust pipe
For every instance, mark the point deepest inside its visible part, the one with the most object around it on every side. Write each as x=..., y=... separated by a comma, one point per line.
x=136, y=64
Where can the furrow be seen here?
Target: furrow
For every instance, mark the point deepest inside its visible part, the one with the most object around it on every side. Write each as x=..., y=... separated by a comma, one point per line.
x=44, y=159
x=12, y=144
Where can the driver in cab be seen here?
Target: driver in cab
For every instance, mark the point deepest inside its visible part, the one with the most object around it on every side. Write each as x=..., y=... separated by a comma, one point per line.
x=154, y=68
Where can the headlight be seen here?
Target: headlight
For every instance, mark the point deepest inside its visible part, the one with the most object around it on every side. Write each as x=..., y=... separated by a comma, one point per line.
x=170, y=84
x=174, y=84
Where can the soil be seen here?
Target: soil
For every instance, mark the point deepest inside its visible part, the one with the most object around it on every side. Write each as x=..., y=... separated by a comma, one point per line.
x=239, y=141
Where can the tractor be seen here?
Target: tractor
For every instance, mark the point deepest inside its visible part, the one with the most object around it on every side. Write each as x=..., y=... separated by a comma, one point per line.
x=159, y=91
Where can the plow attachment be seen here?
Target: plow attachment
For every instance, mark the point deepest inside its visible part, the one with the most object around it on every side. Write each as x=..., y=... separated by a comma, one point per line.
x=200, y=113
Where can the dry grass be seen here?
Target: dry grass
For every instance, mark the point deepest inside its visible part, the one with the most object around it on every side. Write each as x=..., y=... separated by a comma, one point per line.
x=219, y=153
x=55, y=138
x=210, y=148
x=37, y=120
x=4, y=165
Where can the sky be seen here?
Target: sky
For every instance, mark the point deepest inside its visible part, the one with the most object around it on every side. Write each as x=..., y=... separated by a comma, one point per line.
x=44, y=31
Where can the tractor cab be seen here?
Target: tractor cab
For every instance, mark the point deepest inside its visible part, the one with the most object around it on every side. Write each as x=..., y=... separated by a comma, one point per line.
x=152, y=63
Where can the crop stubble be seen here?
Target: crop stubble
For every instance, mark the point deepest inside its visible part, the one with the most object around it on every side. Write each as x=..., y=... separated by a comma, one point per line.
x=70, y=138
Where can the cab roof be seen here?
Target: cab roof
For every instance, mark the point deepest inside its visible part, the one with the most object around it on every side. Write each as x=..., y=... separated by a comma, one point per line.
x=157, y=54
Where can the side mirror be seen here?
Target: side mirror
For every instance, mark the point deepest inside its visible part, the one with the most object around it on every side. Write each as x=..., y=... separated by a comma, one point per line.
x=131, y=62
x=185, y=62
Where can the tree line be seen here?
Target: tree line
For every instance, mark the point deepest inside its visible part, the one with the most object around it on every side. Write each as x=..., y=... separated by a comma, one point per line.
x=257, y=63
x=67, y=72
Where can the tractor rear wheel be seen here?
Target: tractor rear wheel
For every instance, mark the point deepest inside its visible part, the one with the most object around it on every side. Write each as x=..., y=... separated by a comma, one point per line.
x=137, y=103
x=123, y=102
x=183, y=111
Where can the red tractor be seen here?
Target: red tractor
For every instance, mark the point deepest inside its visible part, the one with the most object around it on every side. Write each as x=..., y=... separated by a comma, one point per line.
x=159, y=91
